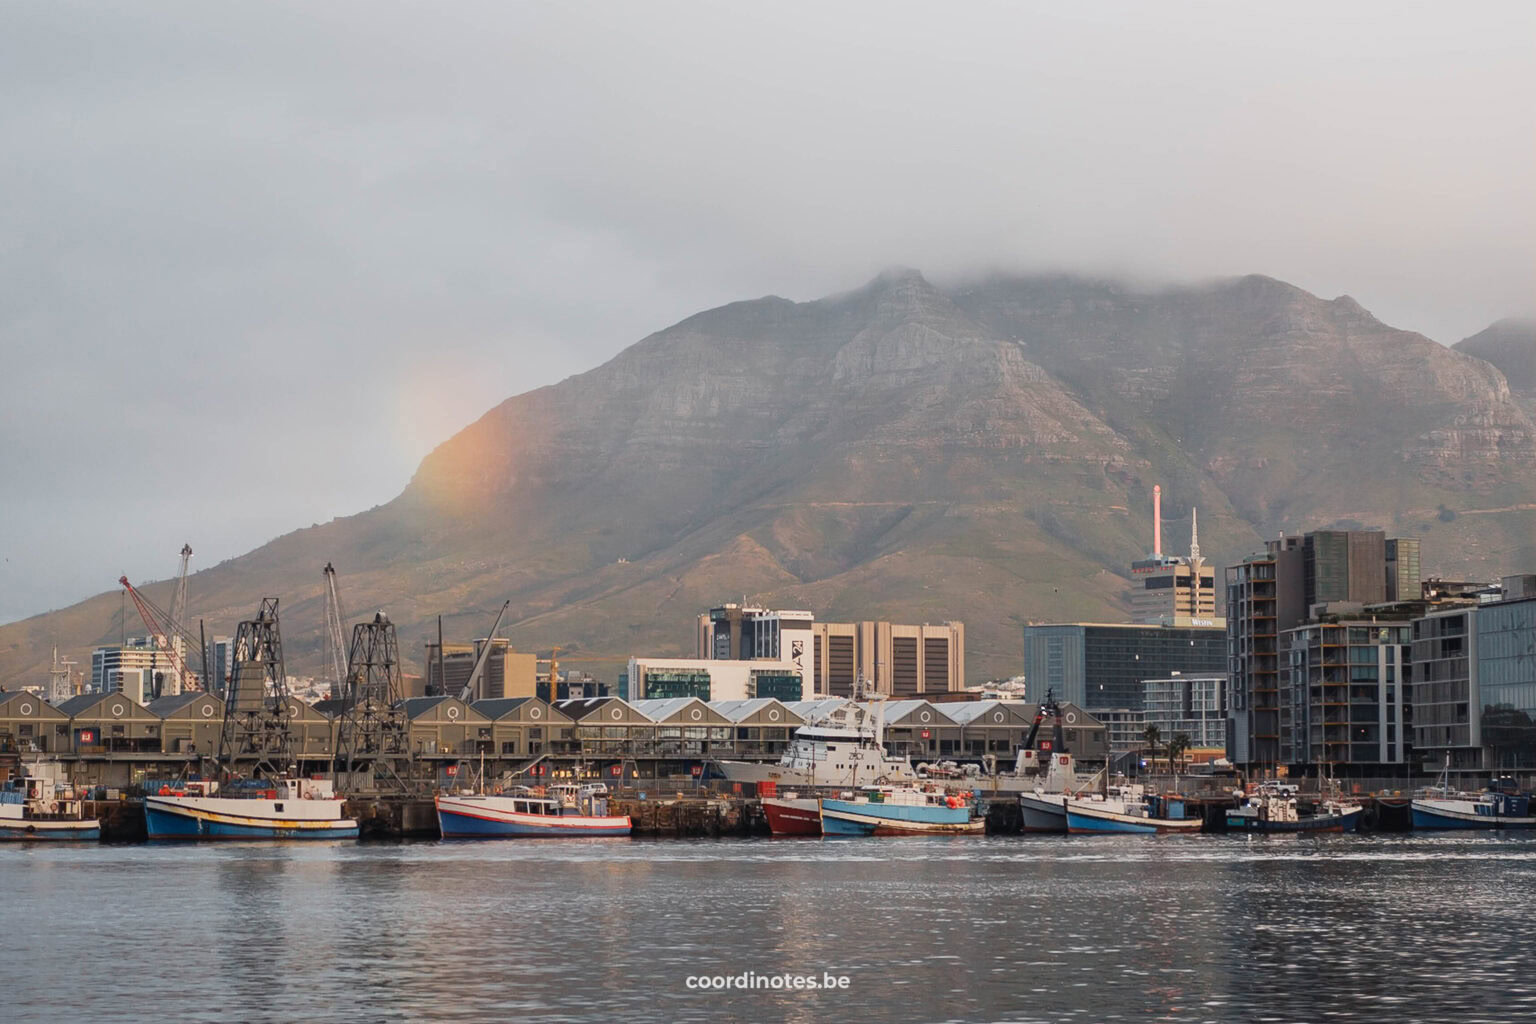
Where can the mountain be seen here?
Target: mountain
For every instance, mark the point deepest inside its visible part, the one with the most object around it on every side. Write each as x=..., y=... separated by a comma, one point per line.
x=1511, y=346
x=984, y=452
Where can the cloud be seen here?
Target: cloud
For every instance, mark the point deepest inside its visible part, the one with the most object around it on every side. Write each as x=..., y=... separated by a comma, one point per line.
x=256, y=260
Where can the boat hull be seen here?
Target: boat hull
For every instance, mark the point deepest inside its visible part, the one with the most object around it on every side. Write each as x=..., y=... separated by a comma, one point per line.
x=200, y=818
x=849, y=818
x=1441, y=815
x=49, y=831
x=793, y=816
x=487, y=818
x=1097, y=821
x=1318, y=823
x=1043, y=813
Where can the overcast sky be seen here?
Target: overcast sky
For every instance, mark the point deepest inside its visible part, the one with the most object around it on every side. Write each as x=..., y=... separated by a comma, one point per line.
x=313, y=240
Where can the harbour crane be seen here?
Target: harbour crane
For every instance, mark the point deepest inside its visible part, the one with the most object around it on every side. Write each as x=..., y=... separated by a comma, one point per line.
x=179, y=595
x=485, y=655
x=335, y=635
x=154, y=620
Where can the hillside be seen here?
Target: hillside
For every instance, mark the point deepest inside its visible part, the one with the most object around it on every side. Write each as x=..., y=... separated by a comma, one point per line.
x=983, y=453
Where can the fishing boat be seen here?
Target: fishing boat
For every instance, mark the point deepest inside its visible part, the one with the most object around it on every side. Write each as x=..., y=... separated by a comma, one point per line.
x=1150, y=815
x=842, y=749
x=41, y=804
x=1440, y=807
x=901, y=811
x=281, y=808
x=562, y=811
x=793, y=815
x=1273, y=809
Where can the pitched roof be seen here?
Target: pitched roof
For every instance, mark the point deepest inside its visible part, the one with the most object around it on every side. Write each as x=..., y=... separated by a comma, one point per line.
x=497, y=707
x=415, y=706
x=169, y=705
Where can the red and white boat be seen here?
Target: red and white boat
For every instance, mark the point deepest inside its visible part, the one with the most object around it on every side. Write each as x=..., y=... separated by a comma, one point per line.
x=791, y=815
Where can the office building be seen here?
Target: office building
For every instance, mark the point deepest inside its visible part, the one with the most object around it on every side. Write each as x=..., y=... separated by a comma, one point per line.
x=1103, y=665
x=895, y=659
x=712, y=679
x=1165, y=587
x=136, y=667
x=507, y=673
x=1474, y=684
x=833, y=658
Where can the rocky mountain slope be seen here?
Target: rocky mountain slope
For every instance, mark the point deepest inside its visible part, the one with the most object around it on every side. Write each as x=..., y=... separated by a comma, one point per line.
x=983, y=453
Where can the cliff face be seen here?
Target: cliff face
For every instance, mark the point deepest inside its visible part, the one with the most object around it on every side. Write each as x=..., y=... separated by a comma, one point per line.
x=983, y=453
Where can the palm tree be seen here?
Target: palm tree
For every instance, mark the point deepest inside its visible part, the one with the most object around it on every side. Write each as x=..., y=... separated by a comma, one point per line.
x=1177, y=748
x=1152, y=735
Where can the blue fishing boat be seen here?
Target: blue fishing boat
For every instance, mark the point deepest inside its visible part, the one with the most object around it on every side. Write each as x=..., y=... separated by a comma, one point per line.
x=1152, y=815
x=284, y=808
x=901, y=811
x=563, y=811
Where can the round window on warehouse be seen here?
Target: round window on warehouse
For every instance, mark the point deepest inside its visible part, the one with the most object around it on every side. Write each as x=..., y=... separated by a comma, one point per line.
x=925, y=716
x=117, y=710
x=997, y=716
x=697, y=714
x=1071, y=717
x=773, y=715
x=617, y=714
x=453, y=712
x=535, y=712
x=207, y=710
x=25, y=708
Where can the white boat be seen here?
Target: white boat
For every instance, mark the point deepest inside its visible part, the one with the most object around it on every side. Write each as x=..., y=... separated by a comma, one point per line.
x=282, y=808
x=1273, y=808
x=562, y=811
x=844, y=749
x=41, y=804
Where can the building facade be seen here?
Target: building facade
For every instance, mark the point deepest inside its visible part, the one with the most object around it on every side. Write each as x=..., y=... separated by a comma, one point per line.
x=1474, y=685
x=1103, y=665
x=1345, y=693
x=135, y=667
x=711, y=679
x=891, y=658
x=1193, y=706
x=1272, y=592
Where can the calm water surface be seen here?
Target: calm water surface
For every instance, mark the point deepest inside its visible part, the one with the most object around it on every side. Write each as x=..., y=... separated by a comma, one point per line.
x=1005, y=928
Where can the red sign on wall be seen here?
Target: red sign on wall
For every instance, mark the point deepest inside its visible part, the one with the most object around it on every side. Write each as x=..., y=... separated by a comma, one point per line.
x=1045, y=744
x=926, y=734
x=452, y=770
x=697, y=769
x=87, y=735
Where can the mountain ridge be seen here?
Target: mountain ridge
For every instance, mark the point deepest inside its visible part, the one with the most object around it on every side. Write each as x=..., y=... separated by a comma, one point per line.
x=983, y=452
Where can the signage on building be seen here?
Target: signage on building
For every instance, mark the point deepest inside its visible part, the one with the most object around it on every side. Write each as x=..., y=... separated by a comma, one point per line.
x=1045, y=744
x=697, y=770
x=926, y=734
x=452, y=770
x=86, y=735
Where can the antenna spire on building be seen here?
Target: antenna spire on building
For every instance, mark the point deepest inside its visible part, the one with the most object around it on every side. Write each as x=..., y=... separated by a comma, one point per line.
x=1194, y=535
x=1157, y=521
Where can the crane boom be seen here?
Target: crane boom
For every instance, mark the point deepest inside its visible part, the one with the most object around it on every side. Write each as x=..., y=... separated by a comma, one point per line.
x=179, y=596
x=485, y=655
x=151, y=616
x=335, y=638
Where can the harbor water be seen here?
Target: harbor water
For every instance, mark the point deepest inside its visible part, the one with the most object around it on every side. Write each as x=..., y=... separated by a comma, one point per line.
x=1203, y=928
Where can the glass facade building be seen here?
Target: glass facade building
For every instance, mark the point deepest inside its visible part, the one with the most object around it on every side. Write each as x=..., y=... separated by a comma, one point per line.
x=1104, y=665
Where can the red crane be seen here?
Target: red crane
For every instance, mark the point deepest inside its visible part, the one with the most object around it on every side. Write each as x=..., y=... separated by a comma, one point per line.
x=152, y=616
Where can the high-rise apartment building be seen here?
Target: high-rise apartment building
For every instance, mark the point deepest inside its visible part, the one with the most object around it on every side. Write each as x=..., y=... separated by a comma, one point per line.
x=1270, y=593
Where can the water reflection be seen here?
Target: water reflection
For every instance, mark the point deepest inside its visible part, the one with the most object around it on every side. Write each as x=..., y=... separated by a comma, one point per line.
x=1036, y=929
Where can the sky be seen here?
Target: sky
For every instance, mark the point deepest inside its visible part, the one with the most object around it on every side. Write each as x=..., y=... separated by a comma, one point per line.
x=258, y=259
